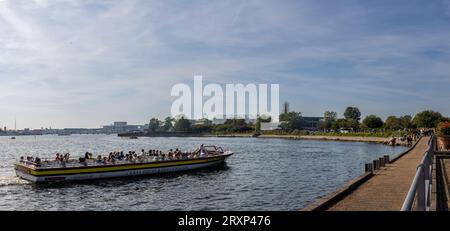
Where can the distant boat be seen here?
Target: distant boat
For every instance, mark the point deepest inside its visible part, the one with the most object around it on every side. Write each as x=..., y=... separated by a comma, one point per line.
x=13, y=137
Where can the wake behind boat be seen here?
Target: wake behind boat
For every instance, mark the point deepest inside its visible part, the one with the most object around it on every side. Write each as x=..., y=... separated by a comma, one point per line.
x=118, y=164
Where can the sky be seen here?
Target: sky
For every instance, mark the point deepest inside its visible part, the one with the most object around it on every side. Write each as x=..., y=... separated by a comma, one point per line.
x=88, y=63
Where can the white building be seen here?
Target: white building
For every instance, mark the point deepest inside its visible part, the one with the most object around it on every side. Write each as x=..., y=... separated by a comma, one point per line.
x=270, y=126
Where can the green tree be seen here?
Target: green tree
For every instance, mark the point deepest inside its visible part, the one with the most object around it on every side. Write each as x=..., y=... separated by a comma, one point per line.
x=406, y=121
x=427, y=119
x=237, y=125
x=182, y=125
x=352, y=113
x=167, y=124
x=336, y=125
x=291, y=121
x=261, y=119
x=353, y=124
x=392, y=122
x=340, y=123
x=328, y=118
x=373, y=121
x=154, y=125
x=200, y=128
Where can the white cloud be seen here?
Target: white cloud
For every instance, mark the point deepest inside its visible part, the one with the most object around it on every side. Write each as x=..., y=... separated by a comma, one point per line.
x=61, y=60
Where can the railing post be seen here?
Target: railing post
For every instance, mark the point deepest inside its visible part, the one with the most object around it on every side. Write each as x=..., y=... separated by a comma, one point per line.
x=386, y=159
x=369, y=167
x=381, y=160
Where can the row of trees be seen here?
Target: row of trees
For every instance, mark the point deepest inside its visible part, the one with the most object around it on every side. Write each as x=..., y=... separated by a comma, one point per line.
x=291, y=121
x=184, y=125
x=352, y=117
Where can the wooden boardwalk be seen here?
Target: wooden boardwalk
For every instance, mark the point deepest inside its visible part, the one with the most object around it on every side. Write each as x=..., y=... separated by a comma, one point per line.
x=387, y=190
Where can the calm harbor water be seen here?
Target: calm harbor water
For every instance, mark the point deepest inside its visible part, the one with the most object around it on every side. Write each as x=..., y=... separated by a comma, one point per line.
x=264, y=174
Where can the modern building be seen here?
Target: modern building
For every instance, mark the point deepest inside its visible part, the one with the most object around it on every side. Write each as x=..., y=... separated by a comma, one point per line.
x=311, y=123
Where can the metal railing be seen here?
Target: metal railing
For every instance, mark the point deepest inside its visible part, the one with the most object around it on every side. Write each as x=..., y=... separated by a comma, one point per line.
x=419, y=194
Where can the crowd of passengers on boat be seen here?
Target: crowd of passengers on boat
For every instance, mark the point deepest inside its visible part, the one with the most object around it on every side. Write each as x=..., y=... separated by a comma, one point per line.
x=114, y=157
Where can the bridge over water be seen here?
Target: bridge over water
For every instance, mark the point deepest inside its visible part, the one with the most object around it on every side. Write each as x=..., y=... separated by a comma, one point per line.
x=416, y=180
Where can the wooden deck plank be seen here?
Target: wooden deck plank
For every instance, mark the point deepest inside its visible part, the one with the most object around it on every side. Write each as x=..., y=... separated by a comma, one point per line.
x=387, y=190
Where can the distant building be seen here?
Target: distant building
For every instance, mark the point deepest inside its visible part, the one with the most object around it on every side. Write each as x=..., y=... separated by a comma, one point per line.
x=270, y=126
x=120, y=124
x=218, y=121
x=311, y=123
x=202, y=122
x=285, y=107
x=121, y=127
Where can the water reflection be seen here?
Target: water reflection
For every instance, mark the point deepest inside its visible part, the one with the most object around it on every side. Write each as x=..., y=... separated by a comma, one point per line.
x=264, y=174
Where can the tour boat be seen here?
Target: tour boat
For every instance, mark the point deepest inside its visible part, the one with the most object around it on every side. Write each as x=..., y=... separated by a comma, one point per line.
x=72, y=170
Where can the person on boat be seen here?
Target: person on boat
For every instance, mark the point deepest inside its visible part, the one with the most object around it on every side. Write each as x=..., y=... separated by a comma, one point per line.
x=202, y=150
x=57, y=158
x=21, y=159
x=37, y=162
x=82, y=160
x=99, y=159
x=66, y=157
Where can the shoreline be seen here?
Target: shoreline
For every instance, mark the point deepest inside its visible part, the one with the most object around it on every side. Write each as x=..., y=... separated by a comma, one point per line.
x=369, y=139
x=329, y=138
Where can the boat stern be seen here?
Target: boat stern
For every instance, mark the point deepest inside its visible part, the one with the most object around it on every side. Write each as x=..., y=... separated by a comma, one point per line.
x=24, y=172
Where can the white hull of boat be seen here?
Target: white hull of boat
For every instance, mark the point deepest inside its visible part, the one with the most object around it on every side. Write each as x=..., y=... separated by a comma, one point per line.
x=115, y=174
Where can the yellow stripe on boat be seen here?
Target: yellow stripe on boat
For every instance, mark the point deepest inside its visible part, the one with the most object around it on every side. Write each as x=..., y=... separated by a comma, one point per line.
x=119, y=167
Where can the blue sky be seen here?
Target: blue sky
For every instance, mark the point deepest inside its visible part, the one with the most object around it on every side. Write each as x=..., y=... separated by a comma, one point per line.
x=86, y=63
